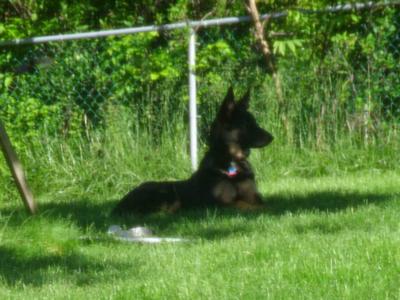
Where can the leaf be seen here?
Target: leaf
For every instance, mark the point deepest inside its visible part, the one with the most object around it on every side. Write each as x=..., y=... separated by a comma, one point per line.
x=355, y=18
x=7, y=81
x=292, y=46
x=34, y=17
x=279, y=47
x=154, y=76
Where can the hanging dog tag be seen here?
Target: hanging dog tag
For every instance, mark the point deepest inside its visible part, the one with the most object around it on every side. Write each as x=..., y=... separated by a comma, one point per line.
x=232, y=170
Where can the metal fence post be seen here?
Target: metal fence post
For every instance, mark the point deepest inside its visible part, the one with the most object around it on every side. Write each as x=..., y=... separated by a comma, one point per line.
x=192, y=97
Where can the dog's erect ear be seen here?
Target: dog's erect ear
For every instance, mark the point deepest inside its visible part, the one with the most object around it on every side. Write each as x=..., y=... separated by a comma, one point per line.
x=227, y=106
x=244, y=101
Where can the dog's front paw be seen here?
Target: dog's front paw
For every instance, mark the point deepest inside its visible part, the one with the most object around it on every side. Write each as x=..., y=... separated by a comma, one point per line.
x=247, y=206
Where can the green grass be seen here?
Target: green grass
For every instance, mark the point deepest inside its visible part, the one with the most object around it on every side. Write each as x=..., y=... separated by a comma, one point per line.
x=331, y=229
x=332, y=236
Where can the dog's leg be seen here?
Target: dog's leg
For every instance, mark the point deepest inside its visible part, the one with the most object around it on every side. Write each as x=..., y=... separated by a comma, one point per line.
x=224, y=193
x=247, y=191
x=171, y=208
x=247, y=206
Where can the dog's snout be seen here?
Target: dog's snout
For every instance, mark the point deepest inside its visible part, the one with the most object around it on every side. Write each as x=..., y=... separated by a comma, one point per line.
x=262, y=138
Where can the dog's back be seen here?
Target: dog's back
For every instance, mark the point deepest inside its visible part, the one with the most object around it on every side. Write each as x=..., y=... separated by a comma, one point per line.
x=151, y=196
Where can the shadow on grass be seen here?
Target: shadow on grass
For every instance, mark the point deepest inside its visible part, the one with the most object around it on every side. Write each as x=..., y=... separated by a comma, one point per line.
x=21, y=265
x=85, y=213
x=324, y=201
x=24, y=266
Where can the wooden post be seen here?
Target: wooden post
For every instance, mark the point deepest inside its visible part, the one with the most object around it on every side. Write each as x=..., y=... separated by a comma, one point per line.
x=266, y=49
x=17, y=171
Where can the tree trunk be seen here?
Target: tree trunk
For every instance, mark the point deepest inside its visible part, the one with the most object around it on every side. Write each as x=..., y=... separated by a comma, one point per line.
x=268, y=55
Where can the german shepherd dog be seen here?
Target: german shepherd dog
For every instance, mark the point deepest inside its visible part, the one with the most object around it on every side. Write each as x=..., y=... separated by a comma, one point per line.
x=224, y=178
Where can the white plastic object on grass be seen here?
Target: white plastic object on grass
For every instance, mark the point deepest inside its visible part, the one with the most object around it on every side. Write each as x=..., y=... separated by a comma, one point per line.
x=139, y=234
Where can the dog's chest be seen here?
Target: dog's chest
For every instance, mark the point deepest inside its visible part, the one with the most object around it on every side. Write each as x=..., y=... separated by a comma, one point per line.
x=234, y=182
x=228, y=190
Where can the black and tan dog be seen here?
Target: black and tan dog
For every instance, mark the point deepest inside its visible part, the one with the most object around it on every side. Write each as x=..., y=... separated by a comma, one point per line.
x=224, y=178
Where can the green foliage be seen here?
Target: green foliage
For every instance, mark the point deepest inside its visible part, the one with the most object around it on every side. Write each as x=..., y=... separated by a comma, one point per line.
x=339, y=71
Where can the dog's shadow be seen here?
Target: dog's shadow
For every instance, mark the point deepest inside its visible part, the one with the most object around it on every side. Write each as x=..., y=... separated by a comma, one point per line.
x=96, y=215
x=323, y=201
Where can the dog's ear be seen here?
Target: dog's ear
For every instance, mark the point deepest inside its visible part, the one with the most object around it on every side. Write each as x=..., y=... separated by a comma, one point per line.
x=244, y=101
x=227, y=106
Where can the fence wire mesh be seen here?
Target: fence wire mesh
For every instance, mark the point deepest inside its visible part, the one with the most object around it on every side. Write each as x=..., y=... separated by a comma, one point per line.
x=339, y=75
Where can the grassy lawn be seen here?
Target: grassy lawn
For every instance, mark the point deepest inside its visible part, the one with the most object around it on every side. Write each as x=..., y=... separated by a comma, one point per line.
x=90, y=120
x=325, y=237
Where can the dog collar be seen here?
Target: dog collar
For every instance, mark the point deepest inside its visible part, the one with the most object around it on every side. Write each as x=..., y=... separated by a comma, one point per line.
x=232, y=170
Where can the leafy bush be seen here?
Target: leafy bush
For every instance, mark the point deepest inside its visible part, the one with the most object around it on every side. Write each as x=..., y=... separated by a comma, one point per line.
x=339, y=71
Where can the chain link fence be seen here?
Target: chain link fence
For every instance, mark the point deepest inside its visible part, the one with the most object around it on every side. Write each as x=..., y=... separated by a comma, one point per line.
x=339, y=74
